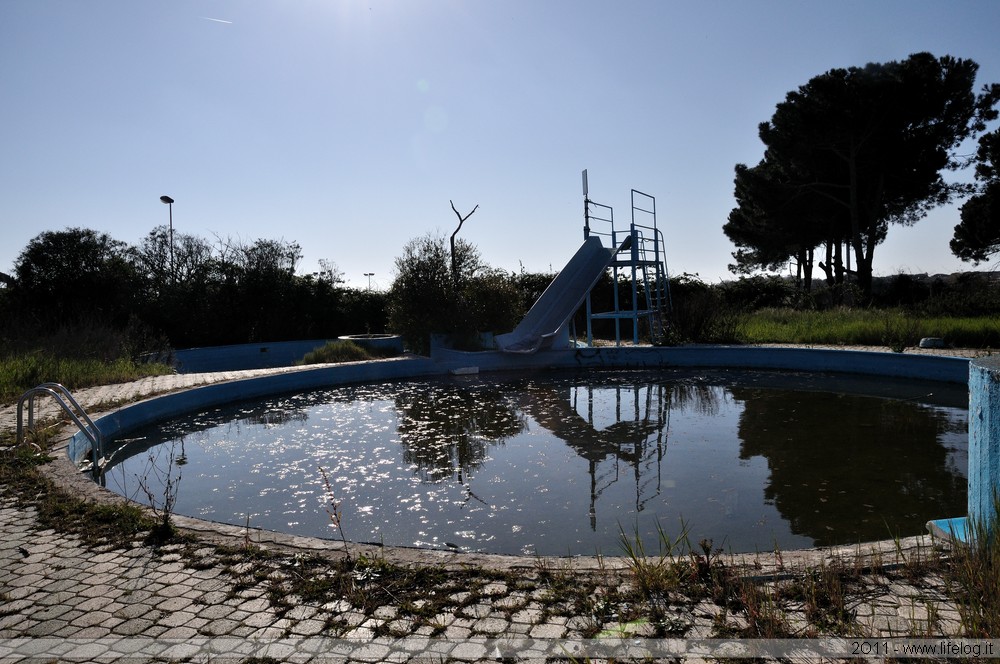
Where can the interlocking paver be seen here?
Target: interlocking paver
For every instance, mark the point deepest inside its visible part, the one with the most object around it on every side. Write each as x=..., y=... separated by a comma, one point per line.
x=266, y=634
x=219, y=627
x=132, y=610
x=338, y=606
x=214, y=611
x=469, y=651
x=100, y=589
x=172, y=604
x=302, y=612
x=254, y=605
x=51, y=598
x=179, y=633
x=547, y=631
x=528, y=615
x=91, y=618
x=490, y=626
x=260, y=619
x=34, y=568
x=309, y=627
x=51, y=612
x=494, y=589
x=172, y=591
x=134, y=626
x=26, y=581
x=457, y=632
x=476, y=611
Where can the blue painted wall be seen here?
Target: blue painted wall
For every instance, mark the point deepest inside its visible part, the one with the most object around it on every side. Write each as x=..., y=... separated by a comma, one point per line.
x=899, y=365
x=984, y=438
x=243, y=356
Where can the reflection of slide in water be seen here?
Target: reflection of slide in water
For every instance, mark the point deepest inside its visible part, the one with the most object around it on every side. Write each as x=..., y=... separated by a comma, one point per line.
x=628, y=440
x=561, y=299
x=625, y=439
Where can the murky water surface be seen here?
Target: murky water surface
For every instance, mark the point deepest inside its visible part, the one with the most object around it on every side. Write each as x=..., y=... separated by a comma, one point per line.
x=559, y=464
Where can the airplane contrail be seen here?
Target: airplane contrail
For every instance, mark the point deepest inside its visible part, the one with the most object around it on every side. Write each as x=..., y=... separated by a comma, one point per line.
x=217, y=20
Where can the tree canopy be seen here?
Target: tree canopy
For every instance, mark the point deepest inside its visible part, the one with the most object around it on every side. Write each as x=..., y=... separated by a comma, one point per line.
x=58, y=273
x=977, y=236
x=852, y=152
x=191, y=292
x=437, y=291
x=770, y=222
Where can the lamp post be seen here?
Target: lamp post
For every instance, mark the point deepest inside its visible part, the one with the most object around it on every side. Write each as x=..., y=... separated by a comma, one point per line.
x=170, y=205
x=369, y=275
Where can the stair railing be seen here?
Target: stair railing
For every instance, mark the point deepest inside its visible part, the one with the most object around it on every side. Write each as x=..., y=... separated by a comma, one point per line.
x=76, y=413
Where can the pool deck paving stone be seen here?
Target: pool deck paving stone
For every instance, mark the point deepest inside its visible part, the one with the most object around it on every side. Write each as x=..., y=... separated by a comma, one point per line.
x=53, y=584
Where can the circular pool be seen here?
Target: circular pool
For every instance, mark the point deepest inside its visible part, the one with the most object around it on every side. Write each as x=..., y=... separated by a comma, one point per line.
x=570, y=462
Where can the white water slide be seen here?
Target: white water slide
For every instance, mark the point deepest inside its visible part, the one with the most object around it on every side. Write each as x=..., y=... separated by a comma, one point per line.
x=561, y=299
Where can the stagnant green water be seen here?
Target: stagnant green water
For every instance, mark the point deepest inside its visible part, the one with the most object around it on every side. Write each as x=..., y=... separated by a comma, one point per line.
x=556, y=464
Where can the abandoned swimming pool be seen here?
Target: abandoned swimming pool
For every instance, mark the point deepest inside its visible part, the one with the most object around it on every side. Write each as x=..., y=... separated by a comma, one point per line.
x=566, y=463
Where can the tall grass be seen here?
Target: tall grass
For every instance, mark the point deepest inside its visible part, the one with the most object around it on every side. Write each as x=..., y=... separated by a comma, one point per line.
x=20, y=373
x=82, y=355
x=887, y=327
x=975, y=577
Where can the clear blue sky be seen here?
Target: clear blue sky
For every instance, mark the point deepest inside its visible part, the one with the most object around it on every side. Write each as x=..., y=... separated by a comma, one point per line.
x=347, y=126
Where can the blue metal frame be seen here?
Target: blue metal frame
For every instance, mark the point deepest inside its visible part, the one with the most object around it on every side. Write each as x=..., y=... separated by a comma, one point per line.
x=646, y=264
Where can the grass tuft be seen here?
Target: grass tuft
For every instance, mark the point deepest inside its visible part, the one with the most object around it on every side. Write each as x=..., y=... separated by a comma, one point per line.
x=20, y=373
x=337, y=351
x=823, y=592
x=655, y=575
x=974, y=577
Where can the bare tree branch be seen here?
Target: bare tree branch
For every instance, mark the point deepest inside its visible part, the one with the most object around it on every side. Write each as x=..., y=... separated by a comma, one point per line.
x=461, y=220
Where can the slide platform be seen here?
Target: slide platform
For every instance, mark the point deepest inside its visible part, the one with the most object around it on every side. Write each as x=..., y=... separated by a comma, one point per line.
x=561, y=299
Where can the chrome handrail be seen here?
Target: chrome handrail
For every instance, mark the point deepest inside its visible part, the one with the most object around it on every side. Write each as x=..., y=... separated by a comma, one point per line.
x=59, y=392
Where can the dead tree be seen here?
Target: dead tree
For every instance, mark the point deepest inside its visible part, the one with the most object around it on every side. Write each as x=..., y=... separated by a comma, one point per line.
x=461, y=220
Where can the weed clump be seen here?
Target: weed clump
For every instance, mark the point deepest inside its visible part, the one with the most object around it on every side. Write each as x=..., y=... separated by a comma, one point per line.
x=974, y=576
x=336, y=351
x=823, y=594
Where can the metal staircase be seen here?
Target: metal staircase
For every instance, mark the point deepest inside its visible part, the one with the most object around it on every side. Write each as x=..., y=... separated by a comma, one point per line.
x=644, y=268
x=649, y=267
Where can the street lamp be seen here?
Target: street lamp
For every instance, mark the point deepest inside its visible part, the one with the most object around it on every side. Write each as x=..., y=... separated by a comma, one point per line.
x=170, y=204
x=369, y=275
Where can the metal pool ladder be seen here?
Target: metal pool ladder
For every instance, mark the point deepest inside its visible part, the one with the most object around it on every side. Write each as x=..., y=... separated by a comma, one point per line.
x=76, y=413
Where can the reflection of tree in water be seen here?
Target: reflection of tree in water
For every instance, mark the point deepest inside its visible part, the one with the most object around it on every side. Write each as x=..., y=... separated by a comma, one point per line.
x=270, y=417
x=699, y=397
x=846, y=468
x=265, y=414
x=447, y=429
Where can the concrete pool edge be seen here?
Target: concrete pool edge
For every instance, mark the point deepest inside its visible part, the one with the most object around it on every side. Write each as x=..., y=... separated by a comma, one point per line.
x=121, y=420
